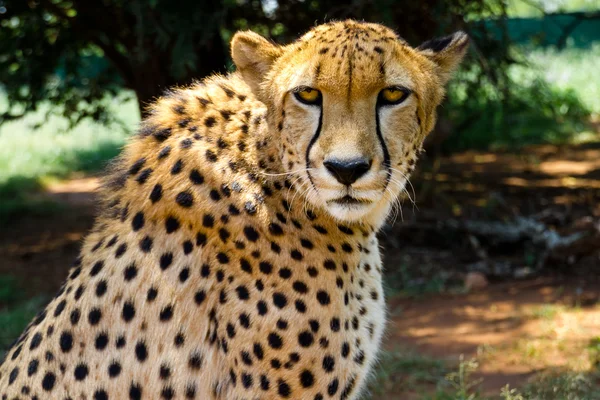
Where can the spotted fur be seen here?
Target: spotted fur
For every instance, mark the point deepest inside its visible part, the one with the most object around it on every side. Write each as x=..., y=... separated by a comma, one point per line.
x=218, y=267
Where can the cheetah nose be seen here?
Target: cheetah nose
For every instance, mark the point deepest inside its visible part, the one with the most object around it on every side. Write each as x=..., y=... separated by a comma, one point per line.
x=347, y=171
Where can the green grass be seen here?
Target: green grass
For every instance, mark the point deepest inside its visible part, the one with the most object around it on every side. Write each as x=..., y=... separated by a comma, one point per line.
x=34, y=149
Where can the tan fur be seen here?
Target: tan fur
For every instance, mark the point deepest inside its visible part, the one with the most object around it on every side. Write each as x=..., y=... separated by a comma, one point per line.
x=217, y=268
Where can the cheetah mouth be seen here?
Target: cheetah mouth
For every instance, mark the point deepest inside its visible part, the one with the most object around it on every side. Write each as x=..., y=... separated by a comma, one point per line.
x=349, y=201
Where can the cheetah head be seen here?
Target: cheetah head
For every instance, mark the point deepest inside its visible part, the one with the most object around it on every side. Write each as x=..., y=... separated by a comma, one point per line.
x=350, y=104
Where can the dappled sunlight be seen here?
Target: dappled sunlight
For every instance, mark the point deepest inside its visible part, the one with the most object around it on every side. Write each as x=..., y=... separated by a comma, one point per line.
x=515, y=330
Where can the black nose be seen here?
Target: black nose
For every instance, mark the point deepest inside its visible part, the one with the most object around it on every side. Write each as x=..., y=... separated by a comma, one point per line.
x=347, y=171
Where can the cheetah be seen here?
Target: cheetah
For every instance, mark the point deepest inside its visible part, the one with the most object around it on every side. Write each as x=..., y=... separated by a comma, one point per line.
x=235, y=253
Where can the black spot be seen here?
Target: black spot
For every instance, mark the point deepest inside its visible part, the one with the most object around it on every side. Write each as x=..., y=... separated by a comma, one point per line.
x=188, y=246
x=94, y=316
x=128, y=311
x=275, y=229
x=163, y=134
x=209, y=122
x=166, y=260
x=151, y=295
x=265, y=267
x=74, y=317
x=211, y=156
x=199, y=297
x=156, y=193
x=196, y=177
x=328, y=363
x=185, y=143
x=223, y=258
x=345, y=349
x=135, y=392
x=137, y=222
x=144, y=175
x=167, y=393
x=48, y=381
x=244, y=320
x=101, y=341
x=345, y=230
x=333, y=387
x=164, y=152
x=171, y=224
x=323, y=297
x=141, y=352
x=242, y=292
x=97, y=268
x=13, y=375
x=307, y=379
x=224, y=235
x=306, y=339
x=300, y=287
x=284, y=389
x=121, y=250
x=258, y=351
x=195, y=360
x=214, y=195
x=32, y=367
x=285, y=273
x=166, y=313
x=300, y=306
x=137, y=166
x=334, y=324
x=320, y=229
x=184, y=275
x=81, y=372
x=130, y=272
x=251, y=233
x=208, y=221
x=279, y=300
x=314, y=325
x=185, y=199
x=114, y=369
x=190, y=391
x=275, y=341
x=246, y=380
x=101, y=288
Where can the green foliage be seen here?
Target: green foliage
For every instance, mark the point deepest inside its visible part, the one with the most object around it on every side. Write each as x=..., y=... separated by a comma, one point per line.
x=529, y=109
x=15, y=311
x=75, y=53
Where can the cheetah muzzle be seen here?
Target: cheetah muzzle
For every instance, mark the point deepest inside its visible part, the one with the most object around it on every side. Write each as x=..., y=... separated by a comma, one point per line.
x=235, y=256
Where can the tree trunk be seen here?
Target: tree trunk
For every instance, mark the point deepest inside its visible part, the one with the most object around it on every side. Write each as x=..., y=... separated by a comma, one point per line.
x=153, y=77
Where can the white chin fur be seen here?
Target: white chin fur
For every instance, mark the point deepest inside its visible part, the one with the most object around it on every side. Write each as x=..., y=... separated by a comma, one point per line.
x=349, y=213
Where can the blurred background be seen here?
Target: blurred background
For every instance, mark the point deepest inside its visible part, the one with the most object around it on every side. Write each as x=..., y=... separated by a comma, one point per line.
x=493, y=262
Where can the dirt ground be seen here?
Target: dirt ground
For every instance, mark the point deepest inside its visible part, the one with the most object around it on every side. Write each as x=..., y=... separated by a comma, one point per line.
x=515, y=327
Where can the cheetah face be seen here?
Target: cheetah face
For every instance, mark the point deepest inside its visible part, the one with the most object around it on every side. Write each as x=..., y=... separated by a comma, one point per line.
x=351, y=104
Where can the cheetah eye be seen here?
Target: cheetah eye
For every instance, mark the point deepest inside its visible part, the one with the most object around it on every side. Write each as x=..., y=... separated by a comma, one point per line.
x=308, y=95
x=393, y=95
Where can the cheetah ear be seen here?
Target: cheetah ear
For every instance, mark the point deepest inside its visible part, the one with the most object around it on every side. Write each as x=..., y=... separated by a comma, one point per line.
x=446, y=52
x=253, y=56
